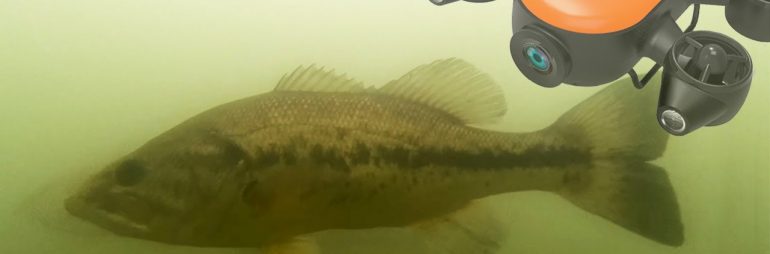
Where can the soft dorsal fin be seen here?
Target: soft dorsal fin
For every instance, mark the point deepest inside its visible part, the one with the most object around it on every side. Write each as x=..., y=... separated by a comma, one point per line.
x=314, y=79
x=454, y=86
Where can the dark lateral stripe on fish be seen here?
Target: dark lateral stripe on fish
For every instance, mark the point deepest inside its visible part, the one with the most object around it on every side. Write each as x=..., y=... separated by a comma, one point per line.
x=534, y=157
x=361, y=154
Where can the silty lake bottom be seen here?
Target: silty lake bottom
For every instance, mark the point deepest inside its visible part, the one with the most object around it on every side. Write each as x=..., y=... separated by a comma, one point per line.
x=85, y=82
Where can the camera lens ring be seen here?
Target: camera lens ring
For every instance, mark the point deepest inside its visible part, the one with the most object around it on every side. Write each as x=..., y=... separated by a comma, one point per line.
x=559, y=61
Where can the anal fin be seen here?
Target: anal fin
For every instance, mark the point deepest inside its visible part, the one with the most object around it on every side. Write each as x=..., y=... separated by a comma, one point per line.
x=471, y=230
x=297, y=245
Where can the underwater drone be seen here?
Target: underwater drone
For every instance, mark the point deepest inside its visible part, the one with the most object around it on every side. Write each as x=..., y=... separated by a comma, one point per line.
x=706, y=75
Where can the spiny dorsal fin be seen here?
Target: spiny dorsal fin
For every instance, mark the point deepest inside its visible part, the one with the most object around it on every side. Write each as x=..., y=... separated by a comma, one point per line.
x=314, y=79
x=454, y=86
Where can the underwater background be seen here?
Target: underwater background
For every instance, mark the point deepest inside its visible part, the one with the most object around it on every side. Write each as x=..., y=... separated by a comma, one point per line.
x=85, y=81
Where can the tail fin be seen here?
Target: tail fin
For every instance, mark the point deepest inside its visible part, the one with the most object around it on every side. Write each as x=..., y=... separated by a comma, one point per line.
x=618, y=121
x=619, y=126
x=636, y=196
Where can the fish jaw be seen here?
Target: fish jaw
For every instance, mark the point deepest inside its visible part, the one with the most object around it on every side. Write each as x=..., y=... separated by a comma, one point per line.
x=121, y=210
x=110, y=218
x=134, y=213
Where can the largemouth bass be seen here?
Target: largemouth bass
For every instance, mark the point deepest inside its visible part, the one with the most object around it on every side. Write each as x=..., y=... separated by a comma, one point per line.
x=323, y=151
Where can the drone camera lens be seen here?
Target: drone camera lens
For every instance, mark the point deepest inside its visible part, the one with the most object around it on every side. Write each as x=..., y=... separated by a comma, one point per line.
x=540, y=56
x=539, y=59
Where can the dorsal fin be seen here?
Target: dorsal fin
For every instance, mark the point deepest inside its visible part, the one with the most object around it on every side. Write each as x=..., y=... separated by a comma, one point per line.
x=454, y=86
x=314, y=79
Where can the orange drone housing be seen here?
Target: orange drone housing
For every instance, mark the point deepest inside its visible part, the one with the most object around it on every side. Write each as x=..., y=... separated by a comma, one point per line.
x=591, y=16
x=706, y=77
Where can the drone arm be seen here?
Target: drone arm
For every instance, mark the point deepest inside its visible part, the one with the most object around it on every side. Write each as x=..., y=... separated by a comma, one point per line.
x=711, y=2
x=661, y=38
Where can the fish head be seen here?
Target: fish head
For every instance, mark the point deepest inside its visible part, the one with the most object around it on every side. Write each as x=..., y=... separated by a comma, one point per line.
x=178, y=188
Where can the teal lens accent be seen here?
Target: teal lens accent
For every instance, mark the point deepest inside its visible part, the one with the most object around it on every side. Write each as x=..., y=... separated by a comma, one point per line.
x=538, y=58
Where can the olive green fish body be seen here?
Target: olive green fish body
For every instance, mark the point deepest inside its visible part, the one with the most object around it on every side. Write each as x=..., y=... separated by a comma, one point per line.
x=393, y=165
x=324, y=152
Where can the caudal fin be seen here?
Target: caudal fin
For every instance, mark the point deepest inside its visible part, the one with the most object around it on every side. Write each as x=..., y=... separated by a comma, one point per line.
x=634, y=195
x=617, y=122
x=618, y=125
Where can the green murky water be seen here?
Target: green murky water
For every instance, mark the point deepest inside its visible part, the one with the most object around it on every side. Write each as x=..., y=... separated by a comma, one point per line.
x=84, y=81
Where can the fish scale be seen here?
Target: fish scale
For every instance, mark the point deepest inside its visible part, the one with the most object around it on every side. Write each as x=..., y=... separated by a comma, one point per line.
x=405, y=136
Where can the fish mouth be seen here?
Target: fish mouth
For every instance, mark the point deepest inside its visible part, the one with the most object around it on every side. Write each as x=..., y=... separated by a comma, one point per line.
x=124, y=215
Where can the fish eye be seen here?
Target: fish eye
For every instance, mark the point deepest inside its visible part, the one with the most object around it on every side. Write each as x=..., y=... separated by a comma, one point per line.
x=129, y=173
